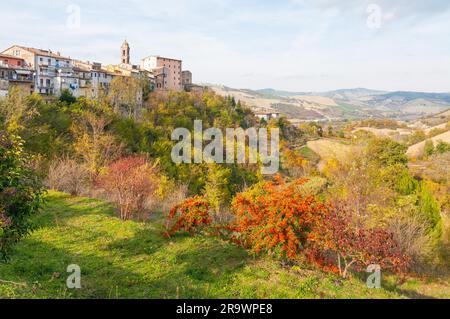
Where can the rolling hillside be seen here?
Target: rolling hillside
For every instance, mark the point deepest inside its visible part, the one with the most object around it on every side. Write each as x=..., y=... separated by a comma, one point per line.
x=417, y=149
x=341, y=104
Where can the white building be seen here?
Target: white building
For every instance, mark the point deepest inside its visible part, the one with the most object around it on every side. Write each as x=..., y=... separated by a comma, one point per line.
x=53, y=72
x=267, y=114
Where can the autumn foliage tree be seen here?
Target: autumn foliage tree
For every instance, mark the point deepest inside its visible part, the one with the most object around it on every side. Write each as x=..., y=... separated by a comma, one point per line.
x=191, y=215
x=356, y=246
x=129, y=182
x=275, y=217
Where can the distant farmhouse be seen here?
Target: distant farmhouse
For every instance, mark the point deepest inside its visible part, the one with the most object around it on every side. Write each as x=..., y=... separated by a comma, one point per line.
x=49, y=73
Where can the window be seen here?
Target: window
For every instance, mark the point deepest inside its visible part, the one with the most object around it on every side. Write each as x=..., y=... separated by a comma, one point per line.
x=18, y=63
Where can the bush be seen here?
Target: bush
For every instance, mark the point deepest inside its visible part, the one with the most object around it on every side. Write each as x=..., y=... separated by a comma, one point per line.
x=129, y=182
x=410, y=232
x=355, y=245
x=20, y=194
x=66, y=175
x=275, y=217
x=67, y=97
x=191, y=216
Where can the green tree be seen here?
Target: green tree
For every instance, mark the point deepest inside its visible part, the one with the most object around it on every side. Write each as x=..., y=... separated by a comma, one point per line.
x=20, y=193
x=430, y=211
x=67, y=97
x=429, y=148
x=442, y=147
x=386, y=152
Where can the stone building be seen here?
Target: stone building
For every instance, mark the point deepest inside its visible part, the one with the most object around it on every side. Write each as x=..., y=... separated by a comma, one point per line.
x=125, y=53
x=186, y=79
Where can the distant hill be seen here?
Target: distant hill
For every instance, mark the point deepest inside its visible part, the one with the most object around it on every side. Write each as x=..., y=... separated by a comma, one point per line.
x=342, y=104
x=278, y=93
x=351, y=93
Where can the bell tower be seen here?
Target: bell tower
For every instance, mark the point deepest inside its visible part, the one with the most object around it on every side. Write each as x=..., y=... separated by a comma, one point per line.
x=125, y=53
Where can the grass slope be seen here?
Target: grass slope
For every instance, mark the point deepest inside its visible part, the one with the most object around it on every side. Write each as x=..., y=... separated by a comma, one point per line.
x=133, y=260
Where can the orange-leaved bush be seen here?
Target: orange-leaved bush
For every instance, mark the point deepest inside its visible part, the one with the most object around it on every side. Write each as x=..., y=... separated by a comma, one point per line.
x=129, y=182
x=191, y=216
x=275, y=217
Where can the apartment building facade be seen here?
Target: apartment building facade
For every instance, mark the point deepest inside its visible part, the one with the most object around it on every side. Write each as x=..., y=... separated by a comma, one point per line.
x=15, y=72
x=49, y=73
x=169, y=68
x=53, y=72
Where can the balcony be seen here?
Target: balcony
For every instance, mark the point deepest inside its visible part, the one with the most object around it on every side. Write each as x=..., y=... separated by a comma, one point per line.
x=21, y=79
x=47, y=73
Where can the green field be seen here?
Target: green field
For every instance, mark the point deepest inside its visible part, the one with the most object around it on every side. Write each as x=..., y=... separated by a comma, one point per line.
x=133, y=260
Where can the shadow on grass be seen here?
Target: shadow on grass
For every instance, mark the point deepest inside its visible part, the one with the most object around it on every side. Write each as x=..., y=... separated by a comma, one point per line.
x=188, y=267
x=145, y=265
x=60, y=207
x=43, y=268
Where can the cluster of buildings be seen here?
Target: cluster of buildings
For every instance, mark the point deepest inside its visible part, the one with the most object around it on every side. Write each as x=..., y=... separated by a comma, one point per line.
x=49, y=73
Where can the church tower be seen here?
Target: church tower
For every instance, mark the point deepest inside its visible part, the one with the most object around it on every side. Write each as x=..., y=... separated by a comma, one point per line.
x=125, y=52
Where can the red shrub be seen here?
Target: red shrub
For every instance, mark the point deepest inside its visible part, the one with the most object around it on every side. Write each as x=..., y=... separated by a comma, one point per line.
x=275, y=217
x=355, y=245
x=129, y=182
x=189, y=216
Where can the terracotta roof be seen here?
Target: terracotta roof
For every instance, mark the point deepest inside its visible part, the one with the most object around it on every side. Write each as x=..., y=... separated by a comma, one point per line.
x=47, y=53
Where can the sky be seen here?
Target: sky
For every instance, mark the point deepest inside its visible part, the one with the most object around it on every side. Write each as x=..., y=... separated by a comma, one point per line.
x=296, y=45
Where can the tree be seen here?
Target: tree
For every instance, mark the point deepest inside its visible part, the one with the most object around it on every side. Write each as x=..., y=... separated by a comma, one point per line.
x=129, y=182
x=20, y=193
x=67, y=97
x=16, y=110
x=417, y=137
x=93, y=143
x=386, y=152
x=126, y=95
x=217, y=188
x=428, y=148
x=442, y=147
x=430, y=211
x=355, y=245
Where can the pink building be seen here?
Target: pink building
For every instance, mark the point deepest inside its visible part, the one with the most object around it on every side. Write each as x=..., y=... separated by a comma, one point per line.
x=172, y=71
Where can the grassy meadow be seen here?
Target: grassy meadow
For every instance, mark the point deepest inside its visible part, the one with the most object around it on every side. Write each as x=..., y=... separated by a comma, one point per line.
x=134, y=260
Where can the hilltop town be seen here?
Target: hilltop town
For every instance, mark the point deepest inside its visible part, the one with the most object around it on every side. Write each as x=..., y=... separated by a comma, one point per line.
x=49, y=73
